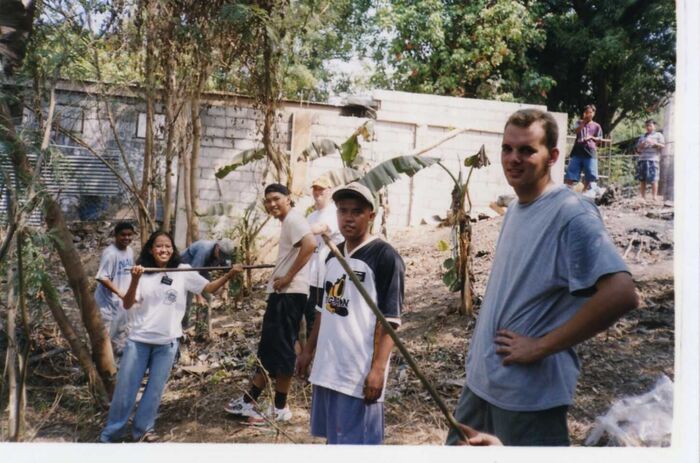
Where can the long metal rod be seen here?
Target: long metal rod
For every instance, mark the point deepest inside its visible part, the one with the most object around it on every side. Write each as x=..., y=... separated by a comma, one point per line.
x=200, y=269
x=404, y=352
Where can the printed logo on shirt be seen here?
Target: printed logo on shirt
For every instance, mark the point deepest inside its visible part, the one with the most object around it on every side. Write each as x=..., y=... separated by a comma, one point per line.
x=335, y=303
x=123, y=265
x=170, y=296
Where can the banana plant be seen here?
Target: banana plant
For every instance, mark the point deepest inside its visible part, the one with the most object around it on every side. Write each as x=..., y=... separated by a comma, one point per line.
x=459, y=272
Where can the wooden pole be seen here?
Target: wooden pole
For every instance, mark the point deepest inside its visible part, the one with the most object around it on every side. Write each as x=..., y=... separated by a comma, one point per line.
x=404, y=352
x=199, y=269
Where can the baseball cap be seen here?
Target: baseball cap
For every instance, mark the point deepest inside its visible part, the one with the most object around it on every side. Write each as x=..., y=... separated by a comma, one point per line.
x=322, y=182
x=354, y=190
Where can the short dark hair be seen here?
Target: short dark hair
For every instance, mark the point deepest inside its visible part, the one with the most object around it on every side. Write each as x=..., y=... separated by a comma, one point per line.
x=650, y=121
x=146, y=258
x=589, y=106
x=123, y=226
x=524, y=118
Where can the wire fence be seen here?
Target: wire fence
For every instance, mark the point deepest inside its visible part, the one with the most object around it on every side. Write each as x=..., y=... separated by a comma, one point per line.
x=615, y=165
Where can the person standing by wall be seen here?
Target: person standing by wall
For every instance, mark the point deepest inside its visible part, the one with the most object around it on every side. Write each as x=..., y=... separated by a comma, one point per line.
x=649, y=146
x=584, y=154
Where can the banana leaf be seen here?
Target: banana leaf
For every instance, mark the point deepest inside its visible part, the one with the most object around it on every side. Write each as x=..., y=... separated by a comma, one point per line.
x=351, y=148
x=342, y=176
x=393, y=169
x=318, y=149
x=478, y=160
x=240, y=159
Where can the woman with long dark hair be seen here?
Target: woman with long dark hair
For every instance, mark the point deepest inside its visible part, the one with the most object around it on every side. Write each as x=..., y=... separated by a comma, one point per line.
x=155, y=303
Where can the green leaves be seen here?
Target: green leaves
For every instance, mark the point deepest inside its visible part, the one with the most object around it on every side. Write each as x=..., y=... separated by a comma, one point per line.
x=240, y=159
x=350, y=149
x=391, y=170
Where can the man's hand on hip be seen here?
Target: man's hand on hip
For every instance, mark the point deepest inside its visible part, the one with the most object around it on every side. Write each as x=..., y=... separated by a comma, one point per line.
x=516, y=348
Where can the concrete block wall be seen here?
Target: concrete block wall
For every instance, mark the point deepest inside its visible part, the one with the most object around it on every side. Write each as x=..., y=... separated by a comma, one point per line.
x=404, y=122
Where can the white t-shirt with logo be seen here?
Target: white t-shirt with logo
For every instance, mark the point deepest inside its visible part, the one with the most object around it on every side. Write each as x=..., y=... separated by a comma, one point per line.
x=317, y=266
x=156, y=317
x=113, y=267
x=294, y=228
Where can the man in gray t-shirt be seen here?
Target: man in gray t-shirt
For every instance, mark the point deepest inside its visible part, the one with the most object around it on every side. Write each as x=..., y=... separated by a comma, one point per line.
x=557, y=280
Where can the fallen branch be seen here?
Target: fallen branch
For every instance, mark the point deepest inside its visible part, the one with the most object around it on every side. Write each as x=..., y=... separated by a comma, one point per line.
x=51, y=353
x=404, y=352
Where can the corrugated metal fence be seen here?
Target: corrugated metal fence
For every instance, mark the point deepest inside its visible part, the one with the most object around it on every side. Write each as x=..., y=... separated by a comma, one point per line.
x=72, y=171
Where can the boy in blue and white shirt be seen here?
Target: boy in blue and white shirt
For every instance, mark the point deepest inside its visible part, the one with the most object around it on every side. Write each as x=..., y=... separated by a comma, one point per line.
x=649, y=146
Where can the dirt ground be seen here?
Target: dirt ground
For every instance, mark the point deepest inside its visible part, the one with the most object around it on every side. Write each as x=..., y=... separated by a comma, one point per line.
x=625, y=360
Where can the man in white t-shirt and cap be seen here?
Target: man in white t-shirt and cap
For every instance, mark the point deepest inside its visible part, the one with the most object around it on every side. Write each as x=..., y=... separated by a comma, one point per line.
x=287, y=291
x=322, y=220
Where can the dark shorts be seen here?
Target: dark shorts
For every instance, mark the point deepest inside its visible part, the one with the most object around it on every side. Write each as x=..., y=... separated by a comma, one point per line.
x=343, y=419
x=315, y=299
x=280, y=331
x=647, y=171
x=539, y=428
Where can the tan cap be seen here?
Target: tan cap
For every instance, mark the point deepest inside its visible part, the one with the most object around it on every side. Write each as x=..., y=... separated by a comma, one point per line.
x=354, y=190
x=322, y=182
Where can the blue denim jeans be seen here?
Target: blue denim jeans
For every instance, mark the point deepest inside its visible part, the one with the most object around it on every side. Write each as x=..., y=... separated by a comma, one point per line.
x=136, y=359
x=587, y=164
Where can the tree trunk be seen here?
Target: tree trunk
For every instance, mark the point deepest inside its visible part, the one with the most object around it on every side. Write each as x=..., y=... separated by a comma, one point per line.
x=466, y=288
x=196, y=109
x=170, y=147
x=77, y=279
x=80, y=351
x=23, y=360
x=11, y=358
x=148, y=153
x=270, y=102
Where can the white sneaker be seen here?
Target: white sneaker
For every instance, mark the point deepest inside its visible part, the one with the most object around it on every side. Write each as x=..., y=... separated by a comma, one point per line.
x=272, y=414
x=240, y=407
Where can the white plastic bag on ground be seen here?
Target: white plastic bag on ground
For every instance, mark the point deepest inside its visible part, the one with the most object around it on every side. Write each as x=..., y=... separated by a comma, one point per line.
x=640, y=421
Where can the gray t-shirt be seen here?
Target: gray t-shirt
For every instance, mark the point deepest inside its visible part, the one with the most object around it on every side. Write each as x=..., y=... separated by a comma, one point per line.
x=648, y=152
x=549, y=256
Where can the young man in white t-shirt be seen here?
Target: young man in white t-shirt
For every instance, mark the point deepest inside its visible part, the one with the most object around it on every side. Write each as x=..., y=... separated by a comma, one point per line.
x=350, y=349
x=323, y=220
x=287, y=291
x=113, y=277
